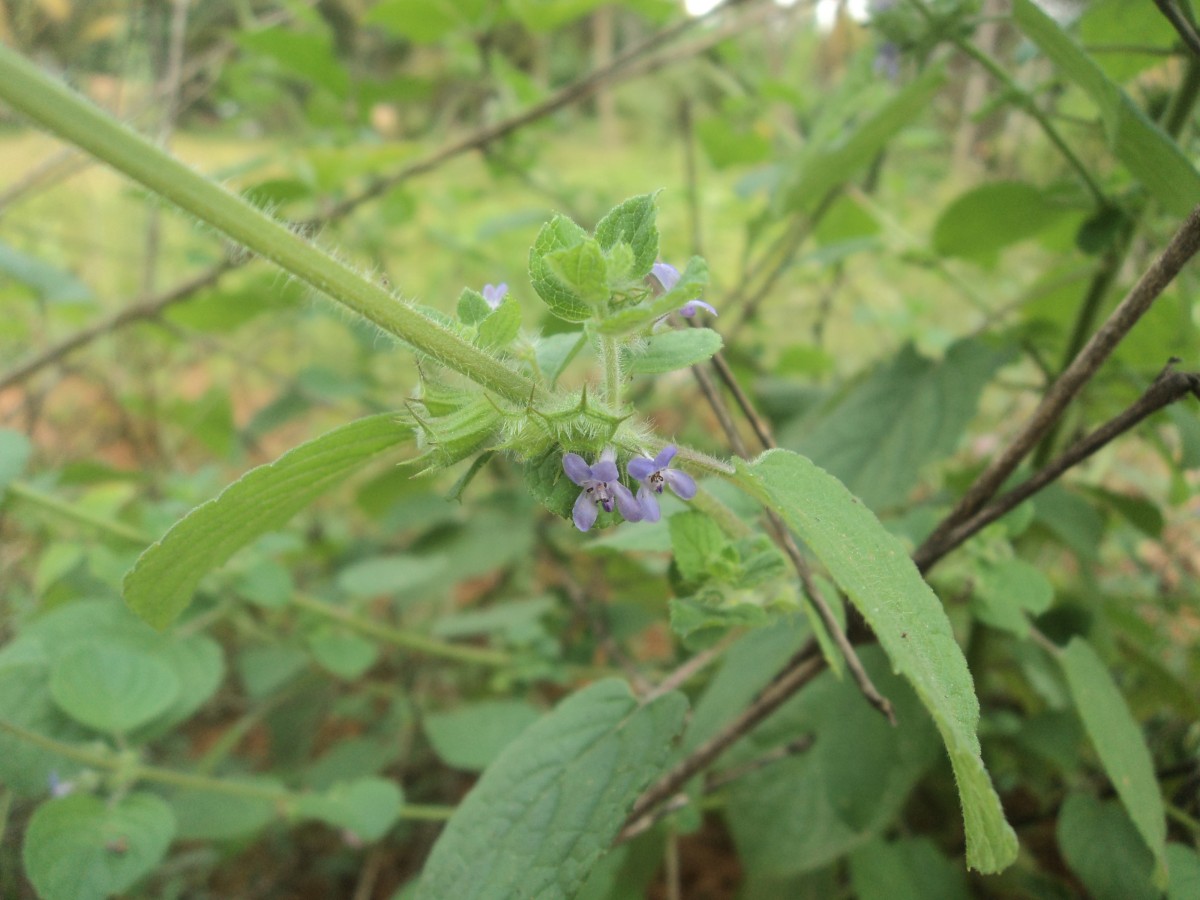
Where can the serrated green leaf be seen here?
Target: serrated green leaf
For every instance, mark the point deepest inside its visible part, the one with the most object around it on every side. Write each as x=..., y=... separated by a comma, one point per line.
x=871, y=566
x=81, y=848
x=695, y=540
x=542, y=814
x=111, y=687
x=368, y=807
x=1146, y=150
x=632, y=222
x=582, y=269
x=559, y=233
x=671, y=350
x=471, y=736
x=472, y=308
x=15, y=450
x=1101, y=846
x=879, y=436
x=986, y=219
x=700, y=620
x=1118, y=741
x=160, y=585
x=501, y=326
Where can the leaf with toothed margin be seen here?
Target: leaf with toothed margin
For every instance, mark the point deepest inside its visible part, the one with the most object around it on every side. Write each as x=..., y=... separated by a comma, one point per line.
x=872, y=567
x=559, y=233
x=582, y=269
x=632, y=223
x=690, y=286
x=551, y=803
x=162, y=582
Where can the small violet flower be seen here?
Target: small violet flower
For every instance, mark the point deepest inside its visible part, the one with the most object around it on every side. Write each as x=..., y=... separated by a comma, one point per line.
x=493, y=294
x=602, y=486
x=663, y=277
x=653, y=474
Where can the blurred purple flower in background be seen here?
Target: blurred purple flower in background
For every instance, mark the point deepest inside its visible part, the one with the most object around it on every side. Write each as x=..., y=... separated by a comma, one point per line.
x=493, y=294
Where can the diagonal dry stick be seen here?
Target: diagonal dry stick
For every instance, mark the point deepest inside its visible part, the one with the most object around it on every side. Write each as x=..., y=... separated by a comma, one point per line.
x=1182, y=247
x=1168, y=388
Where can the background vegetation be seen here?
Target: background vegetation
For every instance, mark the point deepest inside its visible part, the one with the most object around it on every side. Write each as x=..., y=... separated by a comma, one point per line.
x=915, y=226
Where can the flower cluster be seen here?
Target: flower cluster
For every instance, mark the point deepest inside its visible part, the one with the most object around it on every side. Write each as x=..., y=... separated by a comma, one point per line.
x=602, y=487
x=663, y=277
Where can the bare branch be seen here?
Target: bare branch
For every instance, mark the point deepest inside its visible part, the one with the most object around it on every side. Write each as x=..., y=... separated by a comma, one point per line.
x=1182, y=247
x=1185, y=29
x=1168, y=388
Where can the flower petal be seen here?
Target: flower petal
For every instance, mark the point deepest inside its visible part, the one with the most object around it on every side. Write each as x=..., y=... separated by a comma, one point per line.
x=666, y=275
x=681, y=483
x=641, y=468
x=649, y=503
x=577, y=470
x=689, y=309
x=664, y=459
x=584, y=512
x=630, y=508
x=493, y=294
x=605, y=470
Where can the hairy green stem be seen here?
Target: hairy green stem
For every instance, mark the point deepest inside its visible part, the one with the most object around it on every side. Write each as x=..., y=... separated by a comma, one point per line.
x=34, y=497
x=409, y=640
x=64, y=113
x=610, y=353
x=104, y=760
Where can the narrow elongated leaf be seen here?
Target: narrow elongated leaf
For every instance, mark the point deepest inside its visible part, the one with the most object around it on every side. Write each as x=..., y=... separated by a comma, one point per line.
x=871, y=566
x=1119, y=743
x=1145, y=149
x=671, y=350
x=836, y=163
x=550, y=805
x=161, y=583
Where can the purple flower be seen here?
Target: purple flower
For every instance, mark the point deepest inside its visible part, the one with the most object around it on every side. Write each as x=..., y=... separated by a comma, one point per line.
x=653, y=474
x=663, y=277
x=602, y=486
x=493, y=294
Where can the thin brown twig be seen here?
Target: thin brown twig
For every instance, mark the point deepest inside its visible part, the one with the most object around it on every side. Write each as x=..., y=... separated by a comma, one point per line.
x=1168, y=388
x=768, y=700
x=139, y=311
x=1185, y=29
x=723, y=779
x=779, y=530
x=1154, y=280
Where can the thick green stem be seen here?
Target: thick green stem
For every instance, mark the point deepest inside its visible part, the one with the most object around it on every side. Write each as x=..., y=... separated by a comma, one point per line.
x=67, y=115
